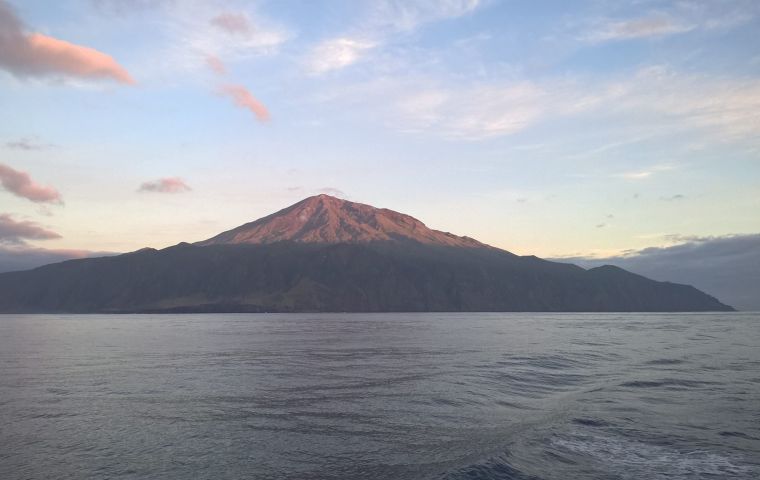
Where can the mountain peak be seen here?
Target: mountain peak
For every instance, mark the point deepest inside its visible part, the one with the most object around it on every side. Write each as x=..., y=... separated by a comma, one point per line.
x=327, y=219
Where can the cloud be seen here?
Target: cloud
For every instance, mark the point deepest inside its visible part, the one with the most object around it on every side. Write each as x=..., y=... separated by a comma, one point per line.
x=469, y=111
x=192, y=30
x=670, y=18
x=727, y=267
x=165, y=185
x=20, y=184
x=243, y=98
x=636, y=175
x=335, y=192
x=27, y=144
x=384, y=19
x=332, y=191
x=392, y=16
x=197, y=30
x=655, y=26
x=127, y=7
x=36, y=55
x=673, y=198
x=336, y=53
x=729, y=107
x=647, y=173
x=487, y=110
x=474, y=113
x=216, y=65
x=232, y=22
x=17, y=232
x=654, y=99
x=21, y=257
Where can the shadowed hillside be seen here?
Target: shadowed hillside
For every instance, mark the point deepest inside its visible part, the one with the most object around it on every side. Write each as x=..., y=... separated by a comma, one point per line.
x=326, y=254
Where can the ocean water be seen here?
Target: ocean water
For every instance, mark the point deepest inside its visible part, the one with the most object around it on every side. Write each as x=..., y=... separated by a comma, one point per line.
x=386, y=396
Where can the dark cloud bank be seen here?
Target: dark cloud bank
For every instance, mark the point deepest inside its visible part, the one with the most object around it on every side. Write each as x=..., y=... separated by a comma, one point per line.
x=17, y=254
x=22, y=257
x=725, y=267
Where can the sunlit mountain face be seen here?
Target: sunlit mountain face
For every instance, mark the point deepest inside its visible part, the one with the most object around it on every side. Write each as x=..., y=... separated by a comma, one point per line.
x=327, y=219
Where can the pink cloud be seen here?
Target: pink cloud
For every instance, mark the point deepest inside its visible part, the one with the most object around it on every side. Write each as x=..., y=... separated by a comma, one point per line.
x=215, y=64
x=22, y=185
x=16, y=232
x=35, y=54
x=165, y=185
x=243, y=98
x=233, y=23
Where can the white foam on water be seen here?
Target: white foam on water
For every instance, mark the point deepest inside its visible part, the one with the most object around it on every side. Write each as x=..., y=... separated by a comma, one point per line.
x=631, y=459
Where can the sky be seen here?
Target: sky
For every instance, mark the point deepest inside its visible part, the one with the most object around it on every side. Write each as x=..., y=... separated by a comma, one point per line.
x=584, y=129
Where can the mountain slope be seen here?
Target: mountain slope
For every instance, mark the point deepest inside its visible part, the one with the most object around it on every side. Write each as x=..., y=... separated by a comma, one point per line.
x=326, y=219
x=342, y=257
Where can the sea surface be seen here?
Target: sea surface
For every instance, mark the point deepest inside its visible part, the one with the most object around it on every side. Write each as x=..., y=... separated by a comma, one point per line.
x=381, y=396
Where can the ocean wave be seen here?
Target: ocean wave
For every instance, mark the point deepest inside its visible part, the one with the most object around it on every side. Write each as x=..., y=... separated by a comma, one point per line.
x=496, y=468
x=633, y=459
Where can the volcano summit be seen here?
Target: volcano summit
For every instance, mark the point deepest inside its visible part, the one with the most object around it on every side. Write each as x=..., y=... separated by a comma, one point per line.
x=325, y=254
x=326, y=219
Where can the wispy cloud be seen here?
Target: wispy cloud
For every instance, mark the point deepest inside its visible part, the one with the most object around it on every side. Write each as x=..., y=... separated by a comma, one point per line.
x=646, y=173
x=384, y=19
x=474, y=113
x=654, y=26
x=239, y=94
x=126, y=7
x=234, y=23
x=165, y=185
x=486, y=110
x=392, y=16
x=216, y=65
x=335, y=192
x=673, y=198
x=198, y=30
x=36, y=55
x=729, y=108
x=16, y=232
x=28, y=144
x=664, y=101
x=244, y=99
x=671, y=19
x=337, y=53
x=21, y=184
